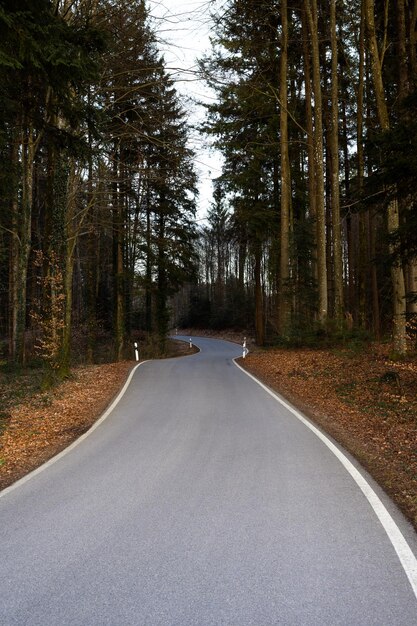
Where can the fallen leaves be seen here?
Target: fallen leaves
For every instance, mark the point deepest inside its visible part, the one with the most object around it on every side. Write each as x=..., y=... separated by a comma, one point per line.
x=41, y=426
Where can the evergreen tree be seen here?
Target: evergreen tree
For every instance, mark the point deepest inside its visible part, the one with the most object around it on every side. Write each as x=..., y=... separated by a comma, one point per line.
x=94, y=152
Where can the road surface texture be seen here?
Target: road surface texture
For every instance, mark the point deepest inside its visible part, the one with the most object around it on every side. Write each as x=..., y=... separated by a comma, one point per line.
x=200, y=500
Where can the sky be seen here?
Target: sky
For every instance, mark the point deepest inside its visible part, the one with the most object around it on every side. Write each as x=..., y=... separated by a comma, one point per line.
x=183, y=31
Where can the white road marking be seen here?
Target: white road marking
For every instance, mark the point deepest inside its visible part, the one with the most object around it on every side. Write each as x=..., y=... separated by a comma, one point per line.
x=405, y=554
x=75, y=443
x=400, y=545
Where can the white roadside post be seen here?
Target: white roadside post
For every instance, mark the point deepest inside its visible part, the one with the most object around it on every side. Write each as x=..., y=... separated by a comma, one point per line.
x=191, y=343
x=136, y=351
x=244, y=348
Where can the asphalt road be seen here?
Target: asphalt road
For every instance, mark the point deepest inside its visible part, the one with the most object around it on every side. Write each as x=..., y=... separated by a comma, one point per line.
x=201, y=500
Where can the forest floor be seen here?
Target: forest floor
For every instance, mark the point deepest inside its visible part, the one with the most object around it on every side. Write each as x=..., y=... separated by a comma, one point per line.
x=367, y=402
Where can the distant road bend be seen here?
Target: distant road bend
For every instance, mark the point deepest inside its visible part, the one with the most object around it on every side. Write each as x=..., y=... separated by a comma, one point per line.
x=203, y=500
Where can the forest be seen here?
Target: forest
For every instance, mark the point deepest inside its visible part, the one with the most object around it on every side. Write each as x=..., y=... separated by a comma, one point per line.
x=314, y=213
x=97, y=181
x=311, y=234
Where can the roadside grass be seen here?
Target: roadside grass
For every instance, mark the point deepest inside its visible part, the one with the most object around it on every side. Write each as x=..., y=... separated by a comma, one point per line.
x=17, y=385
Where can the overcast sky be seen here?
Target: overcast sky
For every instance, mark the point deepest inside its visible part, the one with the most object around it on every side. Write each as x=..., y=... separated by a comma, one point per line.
x=183, y=30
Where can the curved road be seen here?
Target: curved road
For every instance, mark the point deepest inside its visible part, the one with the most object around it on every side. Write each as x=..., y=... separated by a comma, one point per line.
x=200, y=500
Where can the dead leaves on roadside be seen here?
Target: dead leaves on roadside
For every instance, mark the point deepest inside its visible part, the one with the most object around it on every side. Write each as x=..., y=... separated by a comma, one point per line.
x=39, y=427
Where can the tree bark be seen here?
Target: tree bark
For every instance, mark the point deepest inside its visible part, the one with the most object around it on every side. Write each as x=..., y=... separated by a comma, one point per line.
x=312, y=192
x=412, y=287
x=335, y=189
x=118, y=266
x=393, y=221
x=285, y=179
x=365, y=259
x=71, y=236
x=161, y=293
x=148, y=270
x=413, y=43
x=404, y=88
x=259, y=305
x=312, y=20
x=14, y=258
x=29, y=145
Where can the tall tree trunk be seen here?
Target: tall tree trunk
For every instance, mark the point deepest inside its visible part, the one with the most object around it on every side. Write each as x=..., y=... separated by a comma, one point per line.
x=312, y=20
x=14, y=259
x=413, y=42
x=161, y=294
x=71, y=237
x=92, y=271
x=404, y=88
x=348, y=222
x=29, y=143
x=148, y=262
x=412, y=286
x=393, y=221
x=403, y=83
x=259, y=301
x=365, y=259
x=335, y=190
x=118, y=265
x=25, y=231
x=242, y=254
x=285, y=179
x=312, y=191
x=93, y=246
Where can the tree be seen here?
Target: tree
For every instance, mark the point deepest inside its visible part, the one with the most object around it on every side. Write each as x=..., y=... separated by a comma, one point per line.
x=393, y=219
x=312, y=21
x=174, y=190
x=285, y=177
x=46, y=61
x=94, y=141
x=335, y=171
x=243, y=72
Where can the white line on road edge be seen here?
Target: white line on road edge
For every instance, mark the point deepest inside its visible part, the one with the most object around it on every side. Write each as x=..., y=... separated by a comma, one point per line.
x=75, y=443
x=403, y=550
